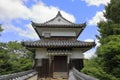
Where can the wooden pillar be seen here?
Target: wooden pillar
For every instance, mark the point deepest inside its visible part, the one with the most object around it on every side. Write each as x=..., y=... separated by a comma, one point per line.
x=50, y=61
x=34, y=60
x=68, y=61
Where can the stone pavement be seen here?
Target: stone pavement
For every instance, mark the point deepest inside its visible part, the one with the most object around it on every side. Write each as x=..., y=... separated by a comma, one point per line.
x=35, y=78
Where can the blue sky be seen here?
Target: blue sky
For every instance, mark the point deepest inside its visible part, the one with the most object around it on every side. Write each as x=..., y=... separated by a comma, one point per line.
x=16, y=16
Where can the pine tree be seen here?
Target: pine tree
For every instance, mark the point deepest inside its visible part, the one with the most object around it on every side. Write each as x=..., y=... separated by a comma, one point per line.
x=106, y=66
x=109, y=38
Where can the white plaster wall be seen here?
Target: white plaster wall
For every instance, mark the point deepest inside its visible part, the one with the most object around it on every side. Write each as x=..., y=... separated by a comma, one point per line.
x=77, y=54
x=61, y=22
x=41, y=53
x=60, y=33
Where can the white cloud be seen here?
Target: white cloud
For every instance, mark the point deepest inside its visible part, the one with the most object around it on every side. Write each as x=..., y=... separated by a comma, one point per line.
x=38, y=12
x=89, y=40
x=96, y=2
x=97, y=43
x=91, y=53
x=16, y=9
x=99, y=15
x=41, y=13
x=13, y=9
x=28, y=32
x=97, y=18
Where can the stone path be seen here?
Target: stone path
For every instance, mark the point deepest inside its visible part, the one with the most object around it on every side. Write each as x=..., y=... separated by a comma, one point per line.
x=33, y=78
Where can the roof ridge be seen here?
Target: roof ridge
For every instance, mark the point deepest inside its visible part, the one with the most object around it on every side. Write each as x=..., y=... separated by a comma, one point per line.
x=58, y=14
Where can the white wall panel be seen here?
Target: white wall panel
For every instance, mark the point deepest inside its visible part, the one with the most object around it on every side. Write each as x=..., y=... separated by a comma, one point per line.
x=41, y=53
x=77, y=54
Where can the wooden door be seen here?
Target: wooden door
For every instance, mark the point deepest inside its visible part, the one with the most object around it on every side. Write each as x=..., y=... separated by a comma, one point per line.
x=60, y=67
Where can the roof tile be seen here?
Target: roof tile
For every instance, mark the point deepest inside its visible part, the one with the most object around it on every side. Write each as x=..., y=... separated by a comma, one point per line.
x=58, y=43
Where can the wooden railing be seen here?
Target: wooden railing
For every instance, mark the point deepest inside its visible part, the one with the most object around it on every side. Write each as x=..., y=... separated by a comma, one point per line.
x=76, y=75
x=19, y=76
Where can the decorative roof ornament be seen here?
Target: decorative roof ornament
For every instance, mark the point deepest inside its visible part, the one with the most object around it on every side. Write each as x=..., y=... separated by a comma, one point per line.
x=59, y=13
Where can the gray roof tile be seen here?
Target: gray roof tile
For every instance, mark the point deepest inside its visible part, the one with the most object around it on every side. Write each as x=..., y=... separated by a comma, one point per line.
x=58, y=43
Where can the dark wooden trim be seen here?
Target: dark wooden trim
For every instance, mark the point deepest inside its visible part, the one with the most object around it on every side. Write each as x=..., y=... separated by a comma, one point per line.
x=46, y=70
x=43, y=71
x=36, y=31
x=77, y=63
x=60, y=63
x=35, y=60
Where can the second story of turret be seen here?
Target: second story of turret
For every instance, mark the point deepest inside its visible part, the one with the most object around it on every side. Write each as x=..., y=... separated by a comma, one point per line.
x=58, y=27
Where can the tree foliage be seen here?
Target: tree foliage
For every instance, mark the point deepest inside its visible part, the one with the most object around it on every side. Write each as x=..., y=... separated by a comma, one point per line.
x=14, y=58
x=113, y=11
x=110, y=53
x=108, y=60
x=93, y=68
x=1, y=28
x=110, y=38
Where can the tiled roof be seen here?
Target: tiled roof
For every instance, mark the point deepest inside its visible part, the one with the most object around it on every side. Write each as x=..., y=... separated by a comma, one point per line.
x=58, y=21
x=58, y=43
x=83, y=25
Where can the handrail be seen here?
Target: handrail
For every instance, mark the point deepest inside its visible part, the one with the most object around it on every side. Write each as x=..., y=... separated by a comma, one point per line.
x=80, y=76
x=19, y=76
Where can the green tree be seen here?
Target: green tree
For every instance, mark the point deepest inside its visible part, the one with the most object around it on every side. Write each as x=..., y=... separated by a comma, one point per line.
x=109, y=51
x=1, y=28
x=113, y=11
x=107, y=64
x=93, y=68
x=4, y=58
x=14, y=58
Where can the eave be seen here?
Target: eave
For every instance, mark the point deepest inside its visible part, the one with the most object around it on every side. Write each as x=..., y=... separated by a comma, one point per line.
x=59, y=44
